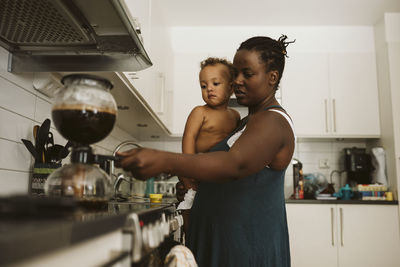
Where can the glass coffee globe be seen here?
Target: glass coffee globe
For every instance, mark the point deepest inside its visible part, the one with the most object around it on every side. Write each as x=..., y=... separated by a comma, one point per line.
x=84, y=112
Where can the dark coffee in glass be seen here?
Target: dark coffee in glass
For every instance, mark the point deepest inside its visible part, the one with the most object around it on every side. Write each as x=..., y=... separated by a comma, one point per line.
x=83, y=124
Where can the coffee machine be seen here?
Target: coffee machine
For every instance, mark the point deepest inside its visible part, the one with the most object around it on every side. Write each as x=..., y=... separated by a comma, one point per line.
x=358, y=166
x=84, y=112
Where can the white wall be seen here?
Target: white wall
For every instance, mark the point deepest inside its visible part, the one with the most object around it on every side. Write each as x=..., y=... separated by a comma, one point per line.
x=192, y=44
x=387, y=33
x=22, y=107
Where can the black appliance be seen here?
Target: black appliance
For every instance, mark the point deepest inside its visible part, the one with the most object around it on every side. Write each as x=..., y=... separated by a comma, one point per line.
x=358, y=166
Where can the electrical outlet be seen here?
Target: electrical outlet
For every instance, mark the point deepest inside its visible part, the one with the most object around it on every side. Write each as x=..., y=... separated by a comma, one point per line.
x=324, y=163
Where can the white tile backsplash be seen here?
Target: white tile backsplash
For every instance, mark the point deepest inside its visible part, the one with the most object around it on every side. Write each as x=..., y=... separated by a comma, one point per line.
x=15, y=99
x=13, y=182
x=15, y=127
x=14, y=156
x=43, y=110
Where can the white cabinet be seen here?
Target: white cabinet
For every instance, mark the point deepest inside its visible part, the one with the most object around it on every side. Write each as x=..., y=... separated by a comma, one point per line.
x=354, y=94
x=343, y=235
x=305, y=93
x=312, y=235
x=151, y=84
x=140, y=16
x=332, y=95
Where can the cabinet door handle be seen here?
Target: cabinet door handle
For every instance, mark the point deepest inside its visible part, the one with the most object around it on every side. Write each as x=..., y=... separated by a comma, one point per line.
x=162, y=93
x=133, y=75
x=334, y=114
x=326, y=115
x=332, y=227
x=341, y=227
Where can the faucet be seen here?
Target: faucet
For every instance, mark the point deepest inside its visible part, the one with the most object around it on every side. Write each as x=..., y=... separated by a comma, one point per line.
x=121, y=145
x=120, y=177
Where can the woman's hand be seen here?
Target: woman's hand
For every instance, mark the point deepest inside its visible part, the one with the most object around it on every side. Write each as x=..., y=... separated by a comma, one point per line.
x=143, y=163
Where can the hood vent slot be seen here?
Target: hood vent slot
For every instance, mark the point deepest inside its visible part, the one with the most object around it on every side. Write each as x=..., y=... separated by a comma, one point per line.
x=38, y=22
x=70, y=35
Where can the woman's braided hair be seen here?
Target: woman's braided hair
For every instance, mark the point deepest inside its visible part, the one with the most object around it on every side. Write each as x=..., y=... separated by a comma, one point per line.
x=272, y=52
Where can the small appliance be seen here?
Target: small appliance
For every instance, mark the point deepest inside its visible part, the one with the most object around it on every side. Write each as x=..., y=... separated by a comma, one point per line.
x=84, y=112
x=357, y=166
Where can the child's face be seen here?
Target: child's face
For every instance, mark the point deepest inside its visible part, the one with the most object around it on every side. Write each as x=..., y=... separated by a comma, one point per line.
x=215, y=85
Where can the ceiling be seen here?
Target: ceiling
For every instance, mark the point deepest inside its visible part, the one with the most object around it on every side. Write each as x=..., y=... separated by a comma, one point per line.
x=272, y=12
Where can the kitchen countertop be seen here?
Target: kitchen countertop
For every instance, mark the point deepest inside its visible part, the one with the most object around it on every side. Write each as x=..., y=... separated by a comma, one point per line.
x=34, y=231
x=354, y=202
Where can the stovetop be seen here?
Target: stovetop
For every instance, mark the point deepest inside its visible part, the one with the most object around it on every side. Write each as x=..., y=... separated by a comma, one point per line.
x=49, y=223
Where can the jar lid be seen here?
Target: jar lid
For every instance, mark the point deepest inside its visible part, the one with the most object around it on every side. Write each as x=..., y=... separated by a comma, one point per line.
x=101, y=80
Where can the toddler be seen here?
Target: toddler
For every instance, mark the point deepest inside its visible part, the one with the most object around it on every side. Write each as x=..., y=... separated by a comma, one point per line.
x=209, y=124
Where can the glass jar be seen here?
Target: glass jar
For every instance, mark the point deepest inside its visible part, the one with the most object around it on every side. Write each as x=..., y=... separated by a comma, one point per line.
x=87, y=183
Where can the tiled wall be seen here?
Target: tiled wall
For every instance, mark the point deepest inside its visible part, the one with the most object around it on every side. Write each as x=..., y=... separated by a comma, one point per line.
x=309, y=152
x=21, y=107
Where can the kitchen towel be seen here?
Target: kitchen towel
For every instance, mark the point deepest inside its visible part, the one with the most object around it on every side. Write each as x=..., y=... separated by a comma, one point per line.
x=180, y=256
x=379, y=162
x=187, y=201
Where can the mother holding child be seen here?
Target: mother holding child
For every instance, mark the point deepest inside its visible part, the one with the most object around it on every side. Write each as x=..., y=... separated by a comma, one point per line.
x=238, y=217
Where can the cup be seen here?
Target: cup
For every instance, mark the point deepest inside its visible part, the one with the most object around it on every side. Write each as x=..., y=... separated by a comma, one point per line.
x=347, y=195
x=389, y=196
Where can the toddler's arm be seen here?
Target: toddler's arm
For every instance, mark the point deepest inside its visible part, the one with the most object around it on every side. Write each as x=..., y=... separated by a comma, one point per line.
x=192, y=129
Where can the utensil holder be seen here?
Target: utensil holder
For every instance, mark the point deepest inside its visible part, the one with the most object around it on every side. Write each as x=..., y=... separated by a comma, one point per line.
x=39, y=176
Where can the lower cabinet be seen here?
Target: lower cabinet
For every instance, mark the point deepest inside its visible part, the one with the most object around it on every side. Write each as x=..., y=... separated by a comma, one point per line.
x=344, y=235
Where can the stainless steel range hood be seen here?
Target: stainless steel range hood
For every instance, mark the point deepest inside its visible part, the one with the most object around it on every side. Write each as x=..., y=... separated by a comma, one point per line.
x=71, y=35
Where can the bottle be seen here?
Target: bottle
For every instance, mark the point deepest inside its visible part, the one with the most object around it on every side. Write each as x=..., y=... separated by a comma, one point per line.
x=301, y=190
x=150, y=186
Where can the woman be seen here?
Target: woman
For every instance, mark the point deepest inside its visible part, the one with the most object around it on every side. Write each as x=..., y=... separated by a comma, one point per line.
x=238, y=216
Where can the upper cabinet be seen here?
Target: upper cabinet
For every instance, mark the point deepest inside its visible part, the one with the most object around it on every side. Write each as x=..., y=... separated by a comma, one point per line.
x=152, y=83
x=332, y=95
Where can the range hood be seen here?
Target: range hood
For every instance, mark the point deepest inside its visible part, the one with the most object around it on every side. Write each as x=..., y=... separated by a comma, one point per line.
x=71, y=35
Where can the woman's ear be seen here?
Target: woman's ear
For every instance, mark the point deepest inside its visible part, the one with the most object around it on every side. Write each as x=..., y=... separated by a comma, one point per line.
x=273, y=77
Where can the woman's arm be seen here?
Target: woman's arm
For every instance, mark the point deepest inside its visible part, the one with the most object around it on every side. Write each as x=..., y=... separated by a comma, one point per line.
x=266, y=134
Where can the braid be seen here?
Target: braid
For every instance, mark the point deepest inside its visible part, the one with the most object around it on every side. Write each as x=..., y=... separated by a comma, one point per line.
x=272, y=52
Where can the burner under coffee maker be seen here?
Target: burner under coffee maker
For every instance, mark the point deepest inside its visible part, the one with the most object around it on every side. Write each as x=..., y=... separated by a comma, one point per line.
x=84, y=112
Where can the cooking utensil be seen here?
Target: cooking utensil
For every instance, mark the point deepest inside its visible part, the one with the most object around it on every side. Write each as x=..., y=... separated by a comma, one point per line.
x=50, y=140
x=52, y=153
x=31, y=148
x=65, y=151
x=35, y=132
x=42, y=136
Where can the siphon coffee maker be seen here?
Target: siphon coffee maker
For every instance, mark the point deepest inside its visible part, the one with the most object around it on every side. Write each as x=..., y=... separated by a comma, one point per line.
x=84, y=112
